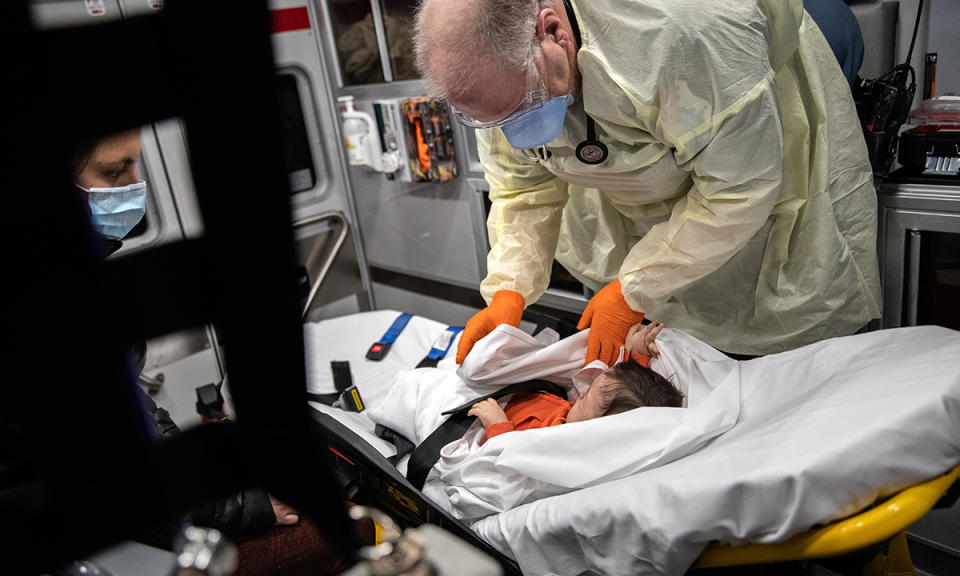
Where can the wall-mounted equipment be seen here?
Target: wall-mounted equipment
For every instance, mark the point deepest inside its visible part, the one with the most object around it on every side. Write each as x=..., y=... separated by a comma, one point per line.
x=432, y=157
x=883, y=104
x=362, y=138
x=393, y=135
x=421, y=132
x=932, y=146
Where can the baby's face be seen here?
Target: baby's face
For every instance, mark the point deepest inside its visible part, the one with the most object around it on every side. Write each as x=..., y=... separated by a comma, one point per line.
x=590, y=403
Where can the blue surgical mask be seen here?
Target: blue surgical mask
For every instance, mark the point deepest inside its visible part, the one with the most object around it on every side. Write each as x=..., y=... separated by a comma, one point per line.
x=115, y=211
x=538, y=127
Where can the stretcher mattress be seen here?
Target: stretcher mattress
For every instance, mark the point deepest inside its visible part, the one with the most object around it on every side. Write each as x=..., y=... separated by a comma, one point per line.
x=348, y=338
x=762, y=450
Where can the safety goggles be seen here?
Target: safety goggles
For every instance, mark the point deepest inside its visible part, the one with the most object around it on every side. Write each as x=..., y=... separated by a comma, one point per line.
x=533, y=99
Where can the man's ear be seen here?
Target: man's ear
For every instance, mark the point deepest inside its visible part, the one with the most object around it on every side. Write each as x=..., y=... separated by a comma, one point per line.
x=550, y=24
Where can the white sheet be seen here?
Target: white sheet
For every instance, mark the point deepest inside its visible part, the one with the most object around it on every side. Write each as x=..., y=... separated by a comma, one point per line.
x=822, y=432
x=474, y=480
x=482, y=479
x=765, y=448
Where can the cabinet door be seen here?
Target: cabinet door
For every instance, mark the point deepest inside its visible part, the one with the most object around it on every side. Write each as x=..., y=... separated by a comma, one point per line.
x=920, y=256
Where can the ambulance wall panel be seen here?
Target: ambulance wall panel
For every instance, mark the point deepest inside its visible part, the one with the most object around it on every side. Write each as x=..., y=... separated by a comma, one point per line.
x=442, y=310
x=425, y=229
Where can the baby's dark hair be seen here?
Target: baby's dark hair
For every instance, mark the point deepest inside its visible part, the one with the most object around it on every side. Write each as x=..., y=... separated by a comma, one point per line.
x=639, y=386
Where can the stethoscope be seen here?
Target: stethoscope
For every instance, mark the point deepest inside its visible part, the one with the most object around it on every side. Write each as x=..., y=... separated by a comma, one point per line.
x=590, y=151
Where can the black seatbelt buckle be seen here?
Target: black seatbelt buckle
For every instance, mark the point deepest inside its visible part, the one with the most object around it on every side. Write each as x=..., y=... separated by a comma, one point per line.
x=350, y=400
x=210, y=402
x=378, y=350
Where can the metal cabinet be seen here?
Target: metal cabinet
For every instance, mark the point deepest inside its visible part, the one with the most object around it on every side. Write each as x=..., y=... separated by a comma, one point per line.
x=919, y=247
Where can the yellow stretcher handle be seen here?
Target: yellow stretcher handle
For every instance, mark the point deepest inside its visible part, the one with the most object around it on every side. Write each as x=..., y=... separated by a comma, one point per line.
x=872, y=526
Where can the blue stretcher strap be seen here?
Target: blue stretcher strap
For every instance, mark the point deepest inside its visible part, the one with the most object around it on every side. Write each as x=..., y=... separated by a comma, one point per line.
x=440, y=347
x=379, y=349
x=396, y=328
x=443, y=343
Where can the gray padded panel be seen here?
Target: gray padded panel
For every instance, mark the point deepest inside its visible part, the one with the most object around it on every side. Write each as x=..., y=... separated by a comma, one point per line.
x=878, y=24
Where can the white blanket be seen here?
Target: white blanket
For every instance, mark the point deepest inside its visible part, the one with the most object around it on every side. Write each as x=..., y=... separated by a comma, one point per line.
x=763, y=449
x=347, y=338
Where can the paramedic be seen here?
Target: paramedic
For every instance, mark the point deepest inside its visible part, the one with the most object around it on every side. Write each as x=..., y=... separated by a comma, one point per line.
x=701, y=161
x=105, y=171
x=625, y=386
x=271, y=537
x=105, y=174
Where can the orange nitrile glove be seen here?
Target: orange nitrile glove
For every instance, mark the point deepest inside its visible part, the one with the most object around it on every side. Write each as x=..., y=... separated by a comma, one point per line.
x=505, y=308
x=609, y=318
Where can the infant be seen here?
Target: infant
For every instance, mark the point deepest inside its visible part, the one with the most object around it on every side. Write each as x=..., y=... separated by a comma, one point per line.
x=624, y=386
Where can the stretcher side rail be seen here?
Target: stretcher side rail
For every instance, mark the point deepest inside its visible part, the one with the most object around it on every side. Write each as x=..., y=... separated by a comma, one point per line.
x=385, y=488
x=868, y=528
x=337, y=218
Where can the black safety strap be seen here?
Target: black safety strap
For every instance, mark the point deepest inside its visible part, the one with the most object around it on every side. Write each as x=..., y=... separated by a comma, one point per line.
x=528, y=386
x=327, y=399
x=404, y=446
x=347, y=394
x=428, y=452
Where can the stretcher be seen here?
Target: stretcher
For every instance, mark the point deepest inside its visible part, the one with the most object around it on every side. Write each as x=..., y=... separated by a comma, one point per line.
x=527, y=536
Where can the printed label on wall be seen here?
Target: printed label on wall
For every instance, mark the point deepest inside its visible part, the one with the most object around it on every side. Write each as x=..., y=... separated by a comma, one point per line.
x=95, y=7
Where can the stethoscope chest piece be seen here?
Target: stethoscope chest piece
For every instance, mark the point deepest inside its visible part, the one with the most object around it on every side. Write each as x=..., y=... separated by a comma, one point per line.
x=591, y=152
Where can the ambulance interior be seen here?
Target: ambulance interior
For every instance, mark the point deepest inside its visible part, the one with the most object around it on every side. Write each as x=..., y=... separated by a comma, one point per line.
x=371, y=204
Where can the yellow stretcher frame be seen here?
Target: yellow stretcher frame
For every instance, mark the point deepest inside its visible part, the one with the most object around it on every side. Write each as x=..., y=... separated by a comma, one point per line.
x=868, y=528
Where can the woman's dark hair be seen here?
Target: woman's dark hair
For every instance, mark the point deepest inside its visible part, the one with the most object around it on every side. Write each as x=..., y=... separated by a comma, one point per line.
x=80, y=154
x=636, y=386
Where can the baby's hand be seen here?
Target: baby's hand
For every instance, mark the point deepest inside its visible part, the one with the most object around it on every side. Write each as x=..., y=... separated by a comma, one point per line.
x=488, y=411
x=641, y=339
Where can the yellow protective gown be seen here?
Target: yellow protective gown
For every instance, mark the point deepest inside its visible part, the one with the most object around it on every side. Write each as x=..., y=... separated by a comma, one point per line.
x=737, y=203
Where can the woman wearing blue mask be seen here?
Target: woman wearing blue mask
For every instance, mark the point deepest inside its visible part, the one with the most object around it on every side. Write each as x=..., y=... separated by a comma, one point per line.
x=106, y=172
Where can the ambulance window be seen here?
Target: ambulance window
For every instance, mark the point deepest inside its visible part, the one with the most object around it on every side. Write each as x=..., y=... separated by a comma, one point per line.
x=52, y=14
x=398, y=26
x=356, y=38
x=296, y=149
